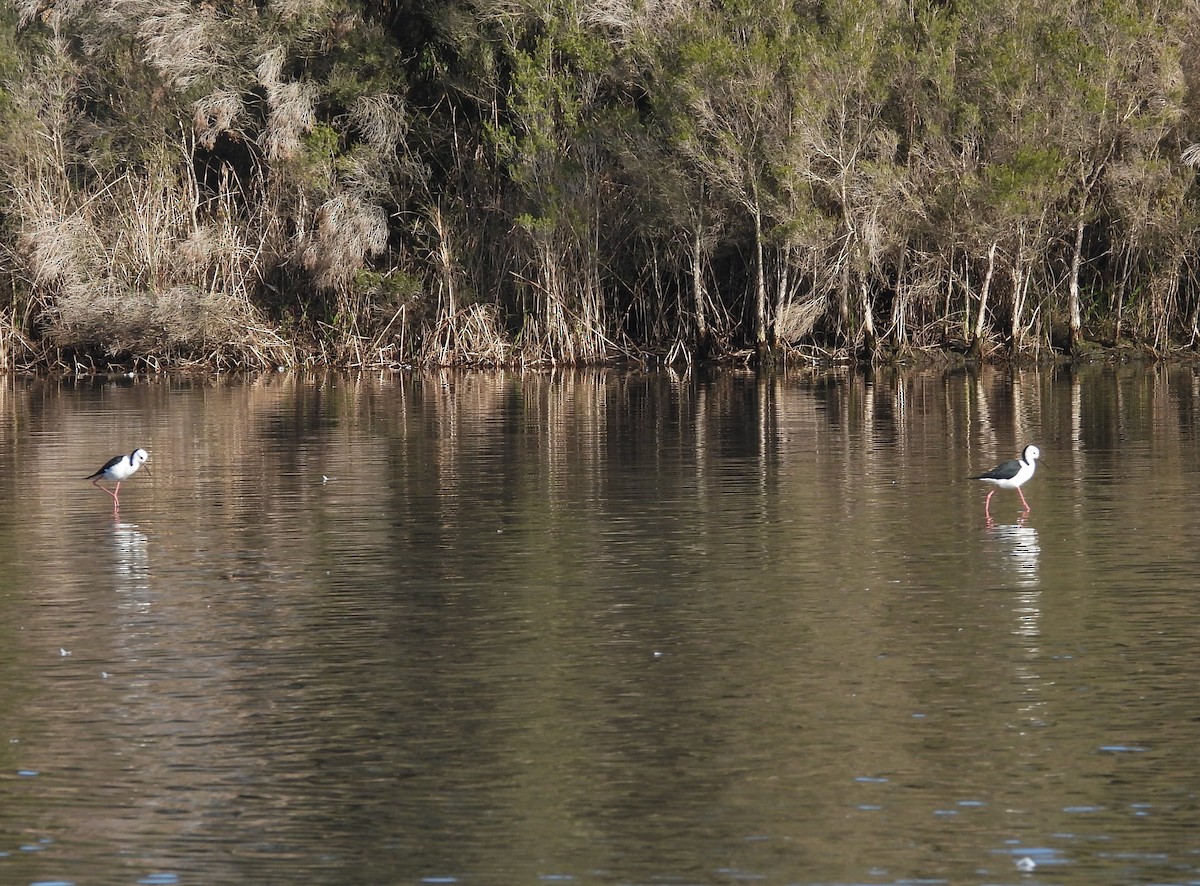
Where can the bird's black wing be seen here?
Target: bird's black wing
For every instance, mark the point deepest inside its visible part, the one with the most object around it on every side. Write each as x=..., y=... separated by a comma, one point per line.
x=108, y=464
x=1006, y=471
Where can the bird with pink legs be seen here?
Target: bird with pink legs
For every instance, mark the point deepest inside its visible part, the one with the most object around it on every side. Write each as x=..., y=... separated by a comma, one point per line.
x=1011, y=475
x=117, y=469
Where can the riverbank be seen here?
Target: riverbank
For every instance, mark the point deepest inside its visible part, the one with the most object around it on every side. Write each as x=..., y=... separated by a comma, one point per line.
x=342, y=183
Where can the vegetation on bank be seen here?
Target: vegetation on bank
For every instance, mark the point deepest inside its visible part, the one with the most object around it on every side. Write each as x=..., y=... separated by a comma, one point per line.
x=242, y=184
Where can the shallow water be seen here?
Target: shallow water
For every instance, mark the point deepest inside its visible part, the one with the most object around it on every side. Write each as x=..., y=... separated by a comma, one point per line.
x=602, y=628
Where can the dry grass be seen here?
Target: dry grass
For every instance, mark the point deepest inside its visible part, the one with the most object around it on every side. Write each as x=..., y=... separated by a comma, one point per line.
x=291, y=107
x=797, y=320
x=215, y=114
x=135, y=266
x=128, y=267
x=55, y=13
x=473, y=336
x=290, y=118
x=293, y=10
x=185, y=43
x=382, y=121
x=349, y=229
x=570, y=323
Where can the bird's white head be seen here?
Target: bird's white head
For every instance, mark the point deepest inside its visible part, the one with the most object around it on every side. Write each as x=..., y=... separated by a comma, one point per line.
x=1031, y=453
x=138, y=457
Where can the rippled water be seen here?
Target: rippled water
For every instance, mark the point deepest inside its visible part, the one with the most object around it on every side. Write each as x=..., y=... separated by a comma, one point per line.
x=602, y=628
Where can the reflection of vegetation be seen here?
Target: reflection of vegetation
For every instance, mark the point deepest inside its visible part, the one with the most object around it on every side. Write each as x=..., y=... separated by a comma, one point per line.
x=495, y=181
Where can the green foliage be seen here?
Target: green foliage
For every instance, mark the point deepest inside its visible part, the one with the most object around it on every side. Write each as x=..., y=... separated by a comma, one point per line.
x=611, y=170
x=366, y=64
x=321, y=144
x=10, y=56
x=537, y=227
x=1025, y=176
x=390, y=287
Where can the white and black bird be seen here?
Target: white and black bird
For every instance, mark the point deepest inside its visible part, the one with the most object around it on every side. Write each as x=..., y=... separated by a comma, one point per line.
x=117, y=469
x=1012, y=474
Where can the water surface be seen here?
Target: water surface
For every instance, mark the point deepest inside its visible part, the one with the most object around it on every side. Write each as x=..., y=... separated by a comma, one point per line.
x=601, y=628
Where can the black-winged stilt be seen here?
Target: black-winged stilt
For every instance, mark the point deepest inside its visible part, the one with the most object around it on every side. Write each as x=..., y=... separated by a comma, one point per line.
x=120, y=468
x=1011, y=474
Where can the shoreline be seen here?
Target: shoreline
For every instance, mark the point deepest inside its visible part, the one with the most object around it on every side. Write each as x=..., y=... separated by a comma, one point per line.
x=951, y=357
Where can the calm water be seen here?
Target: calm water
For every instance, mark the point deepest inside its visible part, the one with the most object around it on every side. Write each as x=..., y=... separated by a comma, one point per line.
x=602, y=628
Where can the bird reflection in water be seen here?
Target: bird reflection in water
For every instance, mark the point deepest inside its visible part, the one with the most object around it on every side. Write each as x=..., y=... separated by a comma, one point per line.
x=132, y=566
x=1021, y=553
x=1019, y=542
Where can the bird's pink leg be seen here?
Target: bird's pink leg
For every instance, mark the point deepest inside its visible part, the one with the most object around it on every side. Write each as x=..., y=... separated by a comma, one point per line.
x=987, y=502
x=96, y=483
x=1022, y=494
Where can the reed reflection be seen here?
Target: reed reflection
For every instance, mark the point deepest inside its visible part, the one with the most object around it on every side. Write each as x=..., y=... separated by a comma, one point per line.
x=381, y=612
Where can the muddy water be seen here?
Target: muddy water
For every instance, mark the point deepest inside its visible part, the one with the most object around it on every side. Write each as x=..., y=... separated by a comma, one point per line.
x=601, y=628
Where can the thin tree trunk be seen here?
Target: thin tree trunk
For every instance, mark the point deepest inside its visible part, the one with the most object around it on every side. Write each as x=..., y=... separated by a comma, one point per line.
x=898, y=306
x=760, y=290
x=870, y=339
x=702, y=342
x=844, y=299
x=1020, y=284
x=783, y=287
x=976, y=349
x=967, y=328
x=1075, y=321
x=1119, y=301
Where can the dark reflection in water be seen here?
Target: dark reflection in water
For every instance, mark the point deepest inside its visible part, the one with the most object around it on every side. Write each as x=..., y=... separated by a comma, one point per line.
x=601, y=628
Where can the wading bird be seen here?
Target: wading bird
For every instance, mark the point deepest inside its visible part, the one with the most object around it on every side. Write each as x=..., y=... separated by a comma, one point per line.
x=120, y=468
x=1011, y=474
